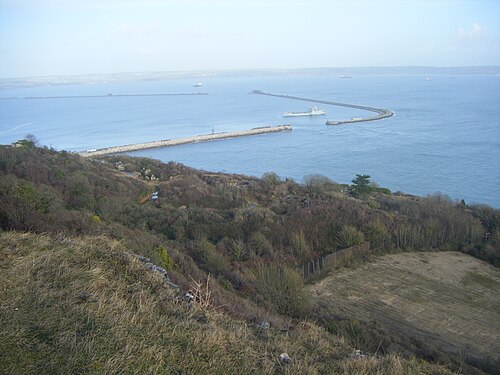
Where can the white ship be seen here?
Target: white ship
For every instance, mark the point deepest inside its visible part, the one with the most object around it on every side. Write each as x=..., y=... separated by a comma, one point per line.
x=314, y=111
x=199, y=84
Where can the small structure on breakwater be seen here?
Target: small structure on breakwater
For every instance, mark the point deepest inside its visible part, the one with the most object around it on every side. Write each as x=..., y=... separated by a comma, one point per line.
x=181, y=141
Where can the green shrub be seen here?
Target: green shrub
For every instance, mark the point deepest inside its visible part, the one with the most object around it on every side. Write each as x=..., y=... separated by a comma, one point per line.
x=212, y=261
x=317, y=184
x=361, y=186
x=349, y=236
x=27, y=193
x=166, y=261
x=271, y=179
x=238, y=250
x=261, y=245
x=79, y=193
x=282, y=288
x=226, y=284
x=382, y=190
x=378, y=235
x=253, y=219
x=300, y=246
x=216, y=263
x=372, y=203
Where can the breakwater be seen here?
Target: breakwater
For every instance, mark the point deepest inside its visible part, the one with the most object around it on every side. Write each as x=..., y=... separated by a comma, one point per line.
x=381, y=112
x=109, y=95
x=181, y=141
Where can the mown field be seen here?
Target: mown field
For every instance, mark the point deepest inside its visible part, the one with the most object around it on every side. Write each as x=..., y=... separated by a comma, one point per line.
x=445, y=301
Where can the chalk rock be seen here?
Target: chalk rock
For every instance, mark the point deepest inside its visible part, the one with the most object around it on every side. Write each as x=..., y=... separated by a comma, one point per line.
x=357, y=355
x=263, y=326
x=189, y=297
x=285, y=359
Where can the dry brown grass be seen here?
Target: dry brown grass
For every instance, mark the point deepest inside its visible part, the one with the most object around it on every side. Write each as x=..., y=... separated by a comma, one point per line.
x=447, y=301
x=202, y=294
x=84, y=306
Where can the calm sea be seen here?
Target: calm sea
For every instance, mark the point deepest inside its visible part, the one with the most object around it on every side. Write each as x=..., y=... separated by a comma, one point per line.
x=445, y=136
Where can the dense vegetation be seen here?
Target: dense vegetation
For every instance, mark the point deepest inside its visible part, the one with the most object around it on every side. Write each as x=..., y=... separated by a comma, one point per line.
x=251, y=235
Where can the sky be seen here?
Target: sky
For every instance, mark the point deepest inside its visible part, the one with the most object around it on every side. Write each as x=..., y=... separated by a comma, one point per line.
x=60, y=37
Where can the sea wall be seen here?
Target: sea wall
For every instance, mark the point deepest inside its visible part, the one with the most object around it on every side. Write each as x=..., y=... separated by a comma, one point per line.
x=181, y=141
x=381, y=112
x=110, y=95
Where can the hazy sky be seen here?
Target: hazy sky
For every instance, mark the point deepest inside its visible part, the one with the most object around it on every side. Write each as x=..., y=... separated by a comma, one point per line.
x=45, y=37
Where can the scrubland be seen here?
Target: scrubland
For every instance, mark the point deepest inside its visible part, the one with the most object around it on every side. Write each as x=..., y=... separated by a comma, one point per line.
x=77, y=298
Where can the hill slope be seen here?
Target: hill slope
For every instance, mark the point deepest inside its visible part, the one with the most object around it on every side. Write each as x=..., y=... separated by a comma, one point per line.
x=447, y=301
x=86, y=306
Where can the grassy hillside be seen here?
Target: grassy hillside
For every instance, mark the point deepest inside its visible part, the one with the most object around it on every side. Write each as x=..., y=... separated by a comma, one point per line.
x=86, y=306
x=251, y=235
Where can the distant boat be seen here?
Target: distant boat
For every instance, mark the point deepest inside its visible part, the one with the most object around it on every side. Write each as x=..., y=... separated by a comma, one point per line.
x=344, y=76
x=428, y=79
x=199, y=84
x=314, y=111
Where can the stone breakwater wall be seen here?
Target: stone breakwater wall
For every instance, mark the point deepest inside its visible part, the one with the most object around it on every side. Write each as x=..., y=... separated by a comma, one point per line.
x=111, y=95
x=381, y=112
x=181, y=141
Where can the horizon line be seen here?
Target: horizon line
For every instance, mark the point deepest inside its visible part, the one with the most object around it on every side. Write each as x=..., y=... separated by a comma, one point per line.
x=236, y=70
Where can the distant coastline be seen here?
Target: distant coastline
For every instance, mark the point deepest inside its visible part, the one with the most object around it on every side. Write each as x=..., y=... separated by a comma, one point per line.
x=49, y=80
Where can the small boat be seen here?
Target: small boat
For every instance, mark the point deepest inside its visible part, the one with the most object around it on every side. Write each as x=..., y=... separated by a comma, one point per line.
x=199, y=84
x=344, y=76
x=314, y=111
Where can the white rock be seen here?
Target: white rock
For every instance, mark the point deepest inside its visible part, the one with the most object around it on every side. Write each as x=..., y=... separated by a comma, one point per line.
x=285, y=358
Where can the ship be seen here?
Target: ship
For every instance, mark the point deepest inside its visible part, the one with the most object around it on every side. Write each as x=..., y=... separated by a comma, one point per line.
x=199, y=84
x=314, y=111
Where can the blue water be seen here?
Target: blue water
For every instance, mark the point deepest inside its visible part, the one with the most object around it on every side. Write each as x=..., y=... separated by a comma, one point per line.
x=445, y=136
